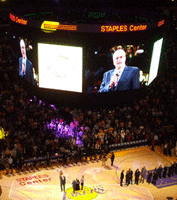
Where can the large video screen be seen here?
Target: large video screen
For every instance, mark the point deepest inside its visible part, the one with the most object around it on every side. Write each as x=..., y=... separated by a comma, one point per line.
x=87, y=63
x=119, y=68
x=60, y=67
x=25, y=53
x=155, y=60
x=123, y=67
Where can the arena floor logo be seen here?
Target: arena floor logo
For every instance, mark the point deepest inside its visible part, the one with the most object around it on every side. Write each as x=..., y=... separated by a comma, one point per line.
x=87, y=193
x=33, y=179
x=99, y=189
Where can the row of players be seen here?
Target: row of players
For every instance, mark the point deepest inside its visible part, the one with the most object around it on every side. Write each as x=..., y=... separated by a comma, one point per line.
x=151, y=176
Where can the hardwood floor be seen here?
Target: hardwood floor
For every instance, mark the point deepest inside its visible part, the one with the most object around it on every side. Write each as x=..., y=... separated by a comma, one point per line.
x=101, y=182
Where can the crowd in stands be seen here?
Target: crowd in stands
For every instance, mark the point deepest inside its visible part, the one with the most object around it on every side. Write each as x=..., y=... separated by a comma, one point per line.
x=26, y=120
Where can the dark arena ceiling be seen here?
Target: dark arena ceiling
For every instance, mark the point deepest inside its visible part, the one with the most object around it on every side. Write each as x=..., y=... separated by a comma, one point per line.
x=92, y=11
x=93, y=3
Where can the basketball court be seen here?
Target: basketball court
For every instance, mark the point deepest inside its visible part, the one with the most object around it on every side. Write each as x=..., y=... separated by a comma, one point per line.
x=101, y=182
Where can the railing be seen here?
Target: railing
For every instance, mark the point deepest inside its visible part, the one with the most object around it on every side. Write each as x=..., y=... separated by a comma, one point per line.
x=125, y=145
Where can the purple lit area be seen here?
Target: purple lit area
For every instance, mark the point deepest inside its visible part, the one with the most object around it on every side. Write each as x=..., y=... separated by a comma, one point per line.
x=71, y=132
x=53, y=106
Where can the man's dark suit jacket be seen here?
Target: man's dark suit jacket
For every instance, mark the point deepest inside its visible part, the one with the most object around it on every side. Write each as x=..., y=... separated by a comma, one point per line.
x=128, y=80
x=63, y=180
x=29, y=70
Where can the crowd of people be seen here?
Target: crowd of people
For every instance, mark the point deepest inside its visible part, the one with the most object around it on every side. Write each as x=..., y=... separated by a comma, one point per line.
x=30, y=124
x=76, y=184
x=151, y=176
x=34, y=129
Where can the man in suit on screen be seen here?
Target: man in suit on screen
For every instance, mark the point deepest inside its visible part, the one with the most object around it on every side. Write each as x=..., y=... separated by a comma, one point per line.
x=25, y=65
x=122, y=77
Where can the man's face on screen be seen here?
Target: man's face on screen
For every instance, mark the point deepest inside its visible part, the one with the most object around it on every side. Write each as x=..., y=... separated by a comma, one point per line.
x=119, y=59
x=23, y=49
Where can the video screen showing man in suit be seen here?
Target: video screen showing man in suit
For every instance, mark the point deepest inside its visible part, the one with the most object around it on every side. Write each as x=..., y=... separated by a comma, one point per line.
x=25, y=65
x=122, y=77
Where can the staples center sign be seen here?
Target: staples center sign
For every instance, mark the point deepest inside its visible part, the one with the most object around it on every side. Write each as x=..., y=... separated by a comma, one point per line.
x=33, y=179
x=123, y=28
x=18, y=20
x=51, y=26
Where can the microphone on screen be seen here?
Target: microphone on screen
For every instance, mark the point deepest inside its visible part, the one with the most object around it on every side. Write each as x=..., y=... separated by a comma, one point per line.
x=114, y=79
